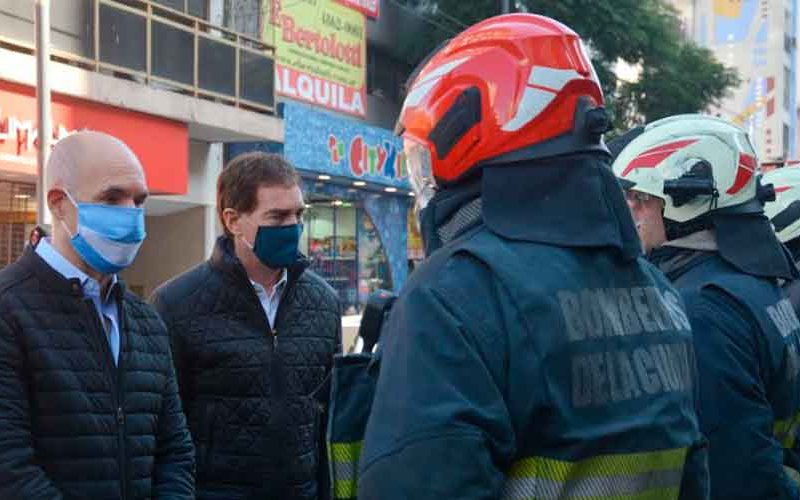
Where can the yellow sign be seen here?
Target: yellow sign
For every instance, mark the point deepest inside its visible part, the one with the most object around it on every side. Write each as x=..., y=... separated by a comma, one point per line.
x=320, y=52
x=416, y=250
x=728, y=8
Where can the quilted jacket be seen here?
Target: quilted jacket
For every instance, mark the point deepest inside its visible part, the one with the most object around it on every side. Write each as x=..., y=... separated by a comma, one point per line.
x=254, y=396
x=73, y=425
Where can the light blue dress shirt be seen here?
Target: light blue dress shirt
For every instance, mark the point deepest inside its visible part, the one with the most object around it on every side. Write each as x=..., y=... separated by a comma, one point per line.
x=106, y=306
x=270, y=301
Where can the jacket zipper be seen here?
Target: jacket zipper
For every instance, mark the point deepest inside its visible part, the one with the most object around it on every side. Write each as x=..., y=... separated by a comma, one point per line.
x=115, y=375
x=274, y=328
x=274, y=332
x=121, y=417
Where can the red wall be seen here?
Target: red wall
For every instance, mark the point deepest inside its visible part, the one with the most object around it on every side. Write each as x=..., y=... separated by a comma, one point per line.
x=162, y=145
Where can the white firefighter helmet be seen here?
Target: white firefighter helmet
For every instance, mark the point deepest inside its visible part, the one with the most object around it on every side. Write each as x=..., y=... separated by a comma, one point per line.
x=784, y=212
x=695, y=163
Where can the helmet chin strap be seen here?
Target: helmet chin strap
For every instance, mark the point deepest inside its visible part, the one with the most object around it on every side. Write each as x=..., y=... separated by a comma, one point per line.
x=677, y=230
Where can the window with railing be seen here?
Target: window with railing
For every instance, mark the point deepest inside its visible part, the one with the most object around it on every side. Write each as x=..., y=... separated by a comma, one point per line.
x=165, y=42
x=197, y=8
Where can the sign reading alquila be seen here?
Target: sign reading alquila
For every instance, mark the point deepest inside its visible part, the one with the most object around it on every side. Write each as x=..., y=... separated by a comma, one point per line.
x=320, y=51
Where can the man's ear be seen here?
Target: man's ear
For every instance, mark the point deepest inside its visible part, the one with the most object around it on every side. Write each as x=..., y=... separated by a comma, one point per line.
x=232, y=219
x=55, y=202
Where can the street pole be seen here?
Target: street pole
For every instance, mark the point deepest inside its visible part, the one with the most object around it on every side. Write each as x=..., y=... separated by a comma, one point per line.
x=43, y=114
x=505, y=6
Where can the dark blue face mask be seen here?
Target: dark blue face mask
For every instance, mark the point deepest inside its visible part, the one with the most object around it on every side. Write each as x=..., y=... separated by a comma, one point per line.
x=277, y=246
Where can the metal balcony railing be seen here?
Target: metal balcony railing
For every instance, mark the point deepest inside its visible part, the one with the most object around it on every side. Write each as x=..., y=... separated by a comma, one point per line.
x=154, y=44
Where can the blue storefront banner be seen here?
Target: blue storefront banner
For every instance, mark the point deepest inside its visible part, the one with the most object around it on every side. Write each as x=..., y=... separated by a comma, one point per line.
x=328, y=144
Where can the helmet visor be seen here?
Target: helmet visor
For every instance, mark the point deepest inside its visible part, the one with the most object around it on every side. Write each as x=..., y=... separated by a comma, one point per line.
x=420, y=172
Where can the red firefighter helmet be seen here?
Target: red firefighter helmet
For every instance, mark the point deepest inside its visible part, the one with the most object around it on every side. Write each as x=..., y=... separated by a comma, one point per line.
x=501, y=86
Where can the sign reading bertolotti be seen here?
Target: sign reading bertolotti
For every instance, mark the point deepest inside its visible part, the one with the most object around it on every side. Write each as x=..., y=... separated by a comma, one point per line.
x=320, y=52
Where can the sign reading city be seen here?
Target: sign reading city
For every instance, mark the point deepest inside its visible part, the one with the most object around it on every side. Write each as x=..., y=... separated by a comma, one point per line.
x=321, y=142
x=320, y=53
x=382, y=158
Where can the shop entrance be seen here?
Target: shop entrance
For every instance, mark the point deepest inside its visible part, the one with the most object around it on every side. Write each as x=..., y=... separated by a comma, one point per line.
x=17, y=218
x=344, y=248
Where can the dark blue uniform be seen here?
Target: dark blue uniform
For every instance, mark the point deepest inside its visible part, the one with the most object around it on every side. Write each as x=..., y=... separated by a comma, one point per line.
x=515, y=367
x=747, y=338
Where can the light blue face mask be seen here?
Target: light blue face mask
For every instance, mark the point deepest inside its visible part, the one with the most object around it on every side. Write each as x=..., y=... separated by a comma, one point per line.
x=108, y=237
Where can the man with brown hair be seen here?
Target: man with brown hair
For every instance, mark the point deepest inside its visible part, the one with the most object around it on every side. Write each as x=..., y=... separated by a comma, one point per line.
x=254, y=334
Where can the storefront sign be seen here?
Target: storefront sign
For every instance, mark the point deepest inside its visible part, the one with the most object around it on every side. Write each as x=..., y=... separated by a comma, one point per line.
x=369, y=8
x=161, y=145
x=320, y=52
x=327, y=144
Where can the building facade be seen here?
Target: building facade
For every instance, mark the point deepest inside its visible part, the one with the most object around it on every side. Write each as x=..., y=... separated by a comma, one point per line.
x=165, y=78
x=188, y=84
x=759, y=39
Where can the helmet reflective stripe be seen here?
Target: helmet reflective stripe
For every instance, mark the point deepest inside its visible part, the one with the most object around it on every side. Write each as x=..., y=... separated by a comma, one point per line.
x=544, y=84
x=553, y=79
x=421, y=89
x=652, y=157
x=782, y=211
x=533, y=102
x=747, y=167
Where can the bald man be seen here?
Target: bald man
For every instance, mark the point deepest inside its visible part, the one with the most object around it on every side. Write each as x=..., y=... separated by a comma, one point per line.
x=89, y=405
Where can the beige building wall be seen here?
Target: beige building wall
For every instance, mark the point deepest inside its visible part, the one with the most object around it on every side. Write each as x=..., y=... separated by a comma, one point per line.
x=181, y=230
x=175, y=243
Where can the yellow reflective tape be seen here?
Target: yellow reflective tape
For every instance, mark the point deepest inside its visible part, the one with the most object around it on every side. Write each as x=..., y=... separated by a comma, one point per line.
x=345, y=488
x=781, y=432
x=785, y=431
x=346, y=452
x=603, y=465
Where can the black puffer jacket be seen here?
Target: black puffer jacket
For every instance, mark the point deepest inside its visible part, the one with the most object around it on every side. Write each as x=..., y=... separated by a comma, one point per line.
x=252, y=398
x=72, y=424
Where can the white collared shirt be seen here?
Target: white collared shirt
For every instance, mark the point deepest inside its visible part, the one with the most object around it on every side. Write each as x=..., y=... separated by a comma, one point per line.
x=271, y=300
x=106, y=307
